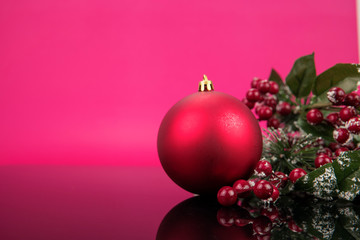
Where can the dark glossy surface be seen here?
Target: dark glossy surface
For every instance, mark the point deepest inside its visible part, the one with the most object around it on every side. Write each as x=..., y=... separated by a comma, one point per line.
x=84, y=202
x=108, y=202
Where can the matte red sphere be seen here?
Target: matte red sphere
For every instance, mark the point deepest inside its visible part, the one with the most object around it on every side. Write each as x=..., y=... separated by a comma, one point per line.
x=208, y=140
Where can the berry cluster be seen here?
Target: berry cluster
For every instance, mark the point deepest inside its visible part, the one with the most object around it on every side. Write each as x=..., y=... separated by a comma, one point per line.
x=345, y=121
x=262, y=219
x=265, y=185
x=262, y=97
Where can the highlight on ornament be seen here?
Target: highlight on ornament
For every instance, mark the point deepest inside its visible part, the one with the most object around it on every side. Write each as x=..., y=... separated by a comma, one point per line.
x=211, y=143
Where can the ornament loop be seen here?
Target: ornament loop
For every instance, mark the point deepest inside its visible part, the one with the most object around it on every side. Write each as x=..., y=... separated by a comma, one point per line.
x=205, y=85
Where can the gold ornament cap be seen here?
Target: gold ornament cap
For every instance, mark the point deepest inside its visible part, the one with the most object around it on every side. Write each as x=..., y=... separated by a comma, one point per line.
x=205, y=85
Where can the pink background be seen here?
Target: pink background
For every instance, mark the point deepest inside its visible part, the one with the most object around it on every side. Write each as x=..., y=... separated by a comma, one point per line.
x=88, y=82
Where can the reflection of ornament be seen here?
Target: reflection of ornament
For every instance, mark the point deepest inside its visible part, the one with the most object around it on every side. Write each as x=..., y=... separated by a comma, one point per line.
x=209, y=139
x=197, y=218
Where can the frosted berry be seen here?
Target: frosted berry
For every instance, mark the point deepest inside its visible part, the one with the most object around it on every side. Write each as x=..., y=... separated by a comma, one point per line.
x=249, y=104
x=242, y=188
x=263, y=189
x=336, y=95
x=352, y=99
x=255, y=81
x=273, y=122
x=340, y=150
x=341, y=135
x=226, y=196
x=296, y=173
x=326, y=151
x=278, y=179
x=346, y=113
x=263, y=168
x=314, y=116
x=322, y=159
x=333, y=119
x=253, y=95
x=274, y=87
x=270, y=101
x=350, y=145
x=262, y=225
x=275, y=194
x=283, y=108
x=353, y=125
x=265, y=113
x=263, y=86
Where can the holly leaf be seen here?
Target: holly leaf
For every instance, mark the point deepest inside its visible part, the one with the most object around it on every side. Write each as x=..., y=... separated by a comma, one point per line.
x=347, y=170
x=341, y=75
x=346, y=164
x=321, y=182
x=320, y=130
x=302, y=76
x=275, y=77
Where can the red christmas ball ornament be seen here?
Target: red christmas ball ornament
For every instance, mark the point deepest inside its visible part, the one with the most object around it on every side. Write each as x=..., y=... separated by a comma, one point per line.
x=208, y=140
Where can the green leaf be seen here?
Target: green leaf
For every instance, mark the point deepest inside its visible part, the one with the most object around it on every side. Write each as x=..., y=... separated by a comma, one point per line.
x=350, y=186
x=302, y=76
x=350, y=221
x=321, y=182
x=341, y=75
x=275, y=77
x=346, y=164
x=320, y=130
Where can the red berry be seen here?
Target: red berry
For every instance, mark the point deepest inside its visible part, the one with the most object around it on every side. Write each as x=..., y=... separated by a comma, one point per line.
x=262, y=225
x=326, y=151
x=263, y=168
x=347, y=112
x=242, y=188
x=263, y=189
x=353, y=125
x=352, y=99
x=278, y=179
x=226, y=196
x=270, y=101
x=265, y=113
x=253, y=95
x=340, y=150
x=274, y=87
x=314, y=116
x=275, y=194
x=333, y=119
x=333, y=146
x=336, y=95
x=263, y=86
x=283, y=108
x=322, y=160
x=226, y=217
x=296, y=173
x=255, y=81
x=341, y=135
x=249, y=104
x=273, y=122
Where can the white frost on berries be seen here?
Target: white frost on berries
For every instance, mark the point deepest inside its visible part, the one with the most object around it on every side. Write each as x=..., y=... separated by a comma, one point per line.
x=324, y=224
x=260, y=174
x=331, y=95
x=325, y=184
x=251, y=183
